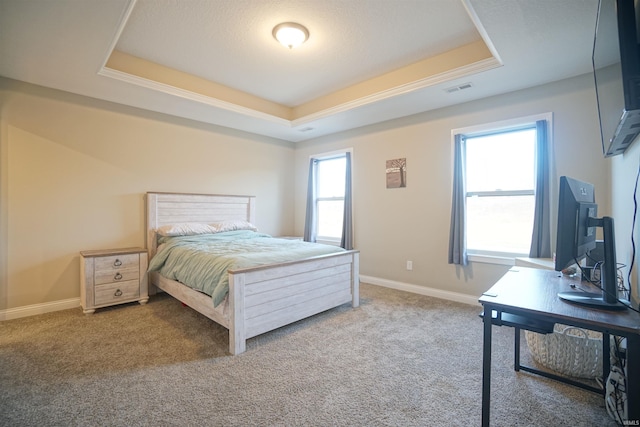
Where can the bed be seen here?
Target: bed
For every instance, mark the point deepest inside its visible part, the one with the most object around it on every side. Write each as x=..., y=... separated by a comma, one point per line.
x=260, y=298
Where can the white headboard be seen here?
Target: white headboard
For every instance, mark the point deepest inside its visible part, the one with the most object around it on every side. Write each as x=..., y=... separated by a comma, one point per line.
x=172, y=208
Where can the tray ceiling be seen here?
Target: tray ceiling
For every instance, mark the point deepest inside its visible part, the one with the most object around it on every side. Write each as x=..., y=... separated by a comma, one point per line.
x=366, y=61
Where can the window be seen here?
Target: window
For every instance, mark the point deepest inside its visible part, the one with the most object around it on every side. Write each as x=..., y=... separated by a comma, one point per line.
x=329, y=201
x=500, y=183
x=494, y=209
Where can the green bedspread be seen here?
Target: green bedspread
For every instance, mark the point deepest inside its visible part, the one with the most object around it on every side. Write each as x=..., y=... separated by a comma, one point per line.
x=202, y=261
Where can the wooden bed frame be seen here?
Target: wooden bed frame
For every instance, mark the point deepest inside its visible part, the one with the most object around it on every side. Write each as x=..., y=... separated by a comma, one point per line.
x=263, y=298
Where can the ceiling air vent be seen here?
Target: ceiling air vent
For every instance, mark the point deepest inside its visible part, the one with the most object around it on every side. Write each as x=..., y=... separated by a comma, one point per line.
x=307, y=129
x=458, y=88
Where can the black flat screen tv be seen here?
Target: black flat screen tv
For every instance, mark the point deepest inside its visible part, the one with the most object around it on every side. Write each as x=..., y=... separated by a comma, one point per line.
x=576, y=236
x=616, y=69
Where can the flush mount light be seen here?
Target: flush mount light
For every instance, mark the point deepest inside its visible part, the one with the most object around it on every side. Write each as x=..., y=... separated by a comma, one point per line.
x=290, y=34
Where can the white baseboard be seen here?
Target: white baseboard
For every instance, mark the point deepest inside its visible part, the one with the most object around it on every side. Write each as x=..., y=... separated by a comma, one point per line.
x=422, y=290
x=32, y=310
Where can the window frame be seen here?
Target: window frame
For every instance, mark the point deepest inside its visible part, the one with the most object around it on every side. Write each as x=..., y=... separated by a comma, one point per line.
x=515, y=124
x=318, y=158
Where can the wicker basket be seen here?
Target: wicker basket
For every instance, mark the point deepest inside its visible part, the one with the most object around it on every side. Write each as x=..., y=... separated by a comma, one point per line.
x=571, y=351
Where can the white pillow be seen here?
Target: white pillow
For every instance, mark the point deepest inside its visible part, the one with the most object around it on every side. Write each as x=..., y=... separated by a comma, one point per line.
x=185, y=229
x=233, y=224
x=193, y=228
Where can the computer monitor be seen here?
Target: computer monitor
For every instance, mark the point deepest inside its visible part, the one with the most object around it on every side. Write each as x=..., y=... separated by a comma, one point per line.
x=576, y=236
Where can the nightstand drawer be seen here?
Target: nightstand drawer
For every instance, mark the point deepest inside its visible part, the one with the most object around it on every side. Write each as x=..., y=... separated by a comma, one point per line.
x=116, y=262
x=103, y=277
x=114, y=293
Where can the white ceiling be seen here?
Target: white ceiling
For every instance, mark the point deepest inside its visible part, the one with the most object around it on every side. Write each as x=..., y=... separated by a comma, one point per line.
x=226, y=45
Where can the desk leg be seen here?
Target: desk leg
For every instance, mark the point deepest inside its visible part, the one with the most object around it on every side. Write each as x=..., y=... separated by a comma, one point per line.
x=516, y=350
x=633, y=379
x=486, y=367
x=606, y=356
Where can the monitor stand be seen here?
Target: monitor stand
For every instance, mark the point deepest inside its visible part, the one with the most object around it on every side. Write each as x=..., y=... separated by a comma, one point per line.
x=591, y=299
x=607, y=299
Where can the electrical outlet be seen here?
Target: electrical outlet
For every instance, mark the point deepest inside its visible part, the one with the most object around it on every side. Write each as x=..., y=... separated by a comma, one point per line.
x=409, y=265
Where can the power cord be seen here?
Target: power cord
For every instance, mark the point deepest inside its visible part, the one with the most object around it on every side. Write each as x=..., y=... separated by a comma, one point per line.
x=616, y=395
x=633, y=225
x=615, y=386
x=597, y=284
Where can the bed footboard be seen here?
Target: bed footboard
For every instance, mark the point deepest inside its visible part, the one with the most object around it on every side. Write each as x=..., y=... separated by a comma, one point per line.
x=265, y=298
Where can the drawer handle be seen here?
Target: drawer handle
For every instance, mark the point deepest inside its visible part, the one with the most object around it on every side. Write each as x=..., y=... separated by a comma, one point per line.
x=118, y=276
x=117, y=263
x=118, y=293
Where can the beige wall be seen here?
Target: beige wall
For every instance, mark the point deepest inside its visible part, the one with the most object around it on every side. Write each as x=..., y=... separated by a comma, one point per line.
x=396, y=225
x=624, y=171
x=73, y=172
x=625, y=168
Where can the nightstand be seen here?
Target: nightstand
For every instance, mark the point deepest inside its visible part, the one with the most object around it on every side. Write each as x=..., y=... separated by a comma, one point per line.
x=112, y=276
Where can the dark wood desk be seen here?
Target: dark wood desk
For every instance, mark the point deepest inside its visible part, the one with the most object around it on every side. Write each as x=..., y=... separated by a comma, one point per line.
x=532, y=293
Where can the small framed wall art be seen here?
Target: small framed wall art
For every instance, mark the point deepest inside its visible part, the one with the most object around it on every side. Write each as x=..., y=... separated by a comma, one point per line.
x=397, y=173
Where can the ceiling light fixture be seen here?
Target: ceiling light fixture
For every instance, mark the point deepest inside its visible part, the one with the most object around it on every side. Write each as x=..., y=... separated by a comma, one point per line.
x=290, y=34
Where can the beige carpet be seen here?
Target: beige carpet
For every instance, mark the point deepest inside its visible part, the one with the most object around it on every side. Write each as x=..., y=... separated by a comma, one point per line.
x=398, y=360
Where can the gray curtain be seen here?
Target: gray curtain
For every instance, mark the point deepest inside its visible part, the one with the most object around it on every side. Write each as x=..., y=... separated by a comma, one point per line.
x=309, y=220
x=541, y=237
x=347, y=219
x=457, y=238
